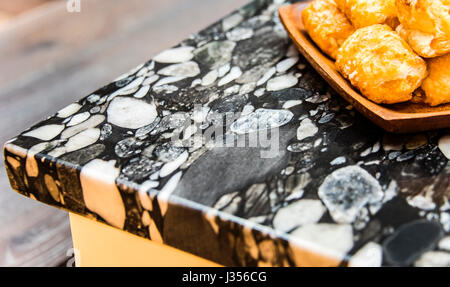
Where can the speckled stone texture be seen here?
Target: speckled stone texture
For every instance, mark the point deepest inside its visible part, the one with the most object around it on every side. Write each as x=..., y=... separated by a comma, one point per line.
x=336, y=191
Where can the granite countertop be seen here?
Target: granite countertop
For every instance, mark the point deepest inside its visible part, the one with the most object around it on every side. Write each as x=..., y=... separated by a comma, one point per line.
x=166, y=152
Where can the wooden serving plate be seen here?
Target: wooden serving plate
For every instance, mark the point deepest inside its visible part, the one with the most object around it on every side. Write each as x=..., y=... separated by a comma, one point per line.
x=398, y=118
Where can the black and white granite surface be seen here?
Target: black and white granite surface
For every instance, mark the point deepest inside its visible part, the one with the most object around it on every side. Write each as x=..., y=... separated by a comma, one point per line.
x=337, y=190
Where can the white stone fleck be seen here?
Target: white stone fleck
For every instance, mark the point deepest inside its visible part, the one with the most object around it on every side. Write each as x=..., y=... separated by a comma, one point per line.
x=92, y=122
x=286, y=64
x=166, y=191
x=366, y=152
x=93, y=98
x=306, y=129
x=142, y=92
x=100, y=192
x=247, y=88
x=78, y=118
x=318, y=142
x=370, y=255
x=267, y=75
x=144, y=197
x=146, y=220
x=376, y=147
x=445, y=221
x=31, y=166
x=151, y=65
x=313, y=112
x=259, y=92
x=52, y=187
x=423, y=200
x=231, y=21
x=239, y=34
x=292, y=103
x=196, y=82
x=46, y=132
x=336, y=239
x=142, y=71
x=187, y=69
x=57, y=151
x=289, y=170
x=433, y=259
x=444, y=243
x=175, y=55
x=391, y=191
x=347, y=190
x=155, y=235
x=210, y=78
x=69, y=110
x=338, y=161
x=444, y=145
x=13, y=162
x=150, y=80
x=247, y=109
x=222, y=71
x=317, y=99
x=301, y=212
x=446, y=205
x=128, y=89
x=131, y=113
x=281, y=82
x=234, y=73
x=165, y=88
x=231, y=90
x=82, y=139
x=170, y=167
x=148, y=74
x=200, y=113
x=167, y=80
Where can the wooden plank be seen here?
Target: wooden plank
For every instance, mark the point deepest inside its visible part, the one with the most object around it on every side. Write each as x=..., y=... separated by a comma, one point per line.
x=51, y=58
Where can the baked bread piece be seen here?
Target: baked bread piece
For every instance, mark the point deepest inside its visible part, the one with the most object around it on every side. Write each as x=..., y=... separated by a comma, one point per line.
x=363, y=13
x=425, y=25
x=326, y=25
x=437, y=85
x=381, y=64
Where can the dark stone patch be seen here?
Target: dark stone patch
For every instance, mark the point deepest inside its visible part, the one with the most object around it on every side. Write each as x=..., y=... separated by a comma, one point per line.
x=72, y=193
x=138, y=169
x=195, y=235
x=83, y=156
x=233, y=103
x=265, y=48
x=223, y=170
x=410, y=241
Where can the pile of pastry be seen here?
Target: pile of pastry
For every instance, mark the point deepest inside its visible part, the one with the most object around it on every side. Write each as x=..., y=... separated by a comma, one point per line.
x=391, y=50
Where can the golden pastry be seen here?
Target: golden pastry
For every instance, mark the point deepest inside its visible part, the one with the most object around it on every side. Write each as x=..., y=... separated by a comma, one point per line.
x=437, y=85
x=381, y=64
x=425, y=25
x=326, y=25
x=363, y=13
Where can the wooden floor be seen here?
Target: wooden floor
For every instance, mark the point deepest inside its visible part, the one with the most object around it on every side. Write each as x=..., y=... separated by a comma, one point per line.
x=50, y=58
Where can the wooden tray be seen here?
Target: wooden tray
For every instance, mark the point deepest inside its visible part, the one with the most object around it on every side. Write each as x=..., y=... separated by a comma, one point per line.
x=397, y=118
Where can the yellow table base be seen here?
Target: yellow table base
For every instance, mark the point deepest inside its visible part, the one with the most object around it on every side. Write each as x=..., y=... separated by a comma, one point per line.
x=97, y=244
